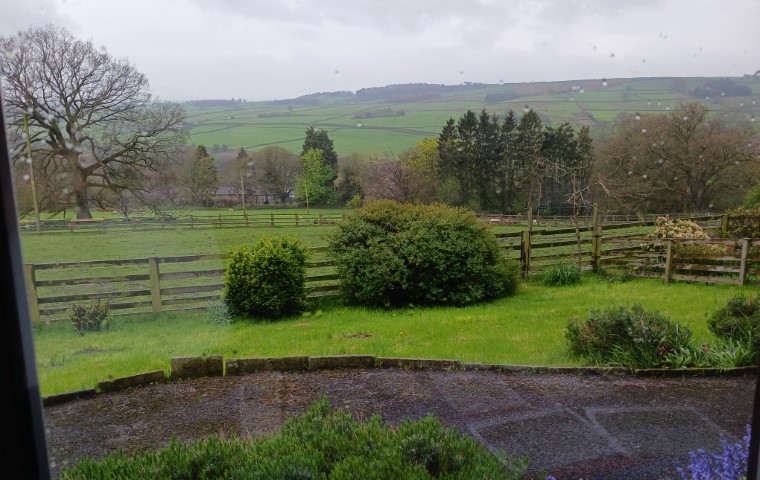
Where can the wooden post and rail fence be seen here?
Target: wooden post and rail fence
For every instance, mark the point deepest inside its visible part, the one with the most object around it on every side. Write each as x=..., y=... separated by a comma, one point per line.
x=184, y=283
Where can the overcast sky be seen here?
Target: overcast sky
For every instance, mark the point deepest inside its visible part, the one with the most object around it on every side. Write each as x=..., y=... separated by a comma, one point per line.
x=274, y=49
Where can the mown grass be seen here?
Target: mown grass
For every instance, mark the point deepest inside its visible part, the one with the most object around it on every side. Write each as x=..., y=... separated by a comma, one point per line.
x=526, y=329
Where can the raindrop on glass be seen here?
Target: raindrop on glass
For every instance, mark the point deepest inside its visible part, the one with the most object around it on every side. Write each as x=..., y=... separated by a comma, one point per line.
x=643, y=130
x=68, y=145
x=526, y=108
x=143, y=132
x=250, y=163
x=26, y=177
x=649, y=103
x=583, y=90
x=103, y=49
x=612, y=55
x=659, y=104
x=461, y=72
x=359, y=125
x=42, y=11
x=752, y=118
x=78, y=149
x=741, y=104
x=722, y=94
x=637, y=117
x=659, y=160
x=645, y=176
x=28, y=160
x=667, y=109
x=337, y=72
x=501, y=81
x=604, y=82
x=685, y=118
x=643, y=60
x=630, y=172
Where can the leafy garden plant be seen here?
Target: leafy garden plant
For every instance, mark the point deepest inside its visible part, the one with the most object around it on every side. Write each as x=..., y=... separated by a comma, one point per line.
x=561, y=275
x=266, y=280
x=319, y=444
x=630, y=337
x=94, y=318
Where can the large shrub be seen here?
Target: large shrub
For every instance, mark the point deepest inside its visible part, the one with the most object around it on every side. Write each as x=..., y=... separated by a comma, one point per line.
x=744, y=222
x=392, y=254
x=266, y=280
x=630, y=337
x=319, y=444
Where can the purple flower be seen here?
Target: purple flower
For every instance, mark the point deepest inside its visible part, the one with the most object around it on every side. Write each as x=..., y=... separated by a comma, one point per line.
x=730, y=464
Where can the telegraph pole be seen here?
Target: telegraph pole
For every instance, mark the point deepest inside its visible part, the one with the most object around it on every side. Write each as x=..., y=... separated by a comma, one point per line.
x=31, y=175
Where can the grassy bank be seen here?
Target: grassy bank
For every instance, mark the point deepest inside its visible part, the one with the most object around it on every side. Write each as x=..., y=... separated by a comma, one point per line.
x=526, y=329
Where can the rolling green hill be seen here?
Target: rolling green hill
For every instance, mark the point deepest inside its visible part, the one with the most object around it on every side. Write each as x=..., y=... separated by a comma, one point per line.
x=392, y=119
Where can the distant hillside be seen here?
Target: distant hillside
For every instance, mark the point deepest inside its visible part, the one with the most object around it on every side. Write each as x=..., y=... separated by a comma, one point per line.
x=392, y=118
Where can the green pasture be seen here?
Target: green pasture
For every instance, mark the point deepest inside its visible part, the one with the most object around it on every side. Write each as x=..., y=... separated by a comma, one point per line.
x=252, y=125
x=526, y=329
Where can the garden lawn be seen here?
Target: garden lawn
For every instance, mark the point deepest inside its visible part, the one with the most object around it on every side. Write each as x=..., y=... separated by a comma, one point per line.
x=526, y=329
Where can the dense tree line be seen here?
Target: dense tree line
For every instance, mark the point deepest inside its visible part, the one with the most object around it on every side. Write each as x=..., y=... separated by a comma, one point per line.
x=512, y=164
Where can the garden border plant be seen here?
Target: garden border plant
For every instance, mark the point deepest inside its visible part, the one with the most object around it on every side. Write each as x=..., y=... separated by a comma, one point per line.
x=318, y=444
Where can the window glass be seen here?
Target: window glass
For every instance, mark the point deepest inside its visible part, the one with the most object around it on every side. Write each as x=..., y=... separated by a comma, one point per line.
x=606, y=150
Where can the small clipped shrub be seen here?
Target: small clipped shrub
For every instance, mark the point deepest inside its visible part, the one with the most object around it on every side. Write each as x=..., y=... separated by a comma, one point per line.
x=94, y=318
x=266, y=280
x=629, y=337
x=738, y=320
x=319, y=444
x=392, y=254
x=561, y=275
x=744, y=222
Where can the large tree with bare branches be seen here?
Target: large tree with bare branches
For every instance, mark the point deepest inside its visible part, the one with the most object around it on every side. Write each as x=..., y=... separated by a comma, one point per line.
x=92, y=119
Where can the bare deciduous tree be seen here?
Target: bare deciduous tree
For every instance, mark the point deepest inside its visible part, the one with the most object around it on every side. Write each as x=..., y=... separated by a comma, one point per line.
x=91, y=116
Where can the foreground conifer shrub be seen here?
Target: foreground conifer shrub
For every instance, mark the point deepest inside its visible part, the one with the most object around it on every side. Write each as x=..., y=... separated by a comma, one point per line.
x=266, y=280
x=391, y=254
x=319, y=444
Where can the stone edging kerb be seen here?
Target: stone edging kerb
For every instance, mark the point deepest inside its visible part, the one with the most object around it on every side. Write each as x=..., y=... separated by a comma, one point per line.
x=216, y=366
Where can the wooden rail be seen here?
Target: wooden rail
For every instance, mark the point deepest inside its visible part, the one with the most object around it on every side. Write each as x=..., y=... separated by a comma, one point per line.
x=188, y=282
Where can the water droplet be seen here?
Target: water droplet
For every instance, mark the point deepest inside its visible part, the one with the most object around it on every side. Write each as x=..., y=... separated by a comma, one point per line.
x=752, y=118
x=645, y=176
x=753, y=102
x=461, y=72
x=26, y=177
x=667, y=109
x=78, y=149
x=583, y=90
x=42, y=11
x=649, y=103
x=337, y=72
x=722, y=94
x=143, y=132
x=604, y=82
x=741, y=104
x=643, y=60
x=675, y=178
x=572, y=99
x=250, y=163
x=612, y=55
x=643, y=130
x=103, y=49
x=501, y=81
x=685, y=118
x=630, y=172
x=29, y=110
x=28, y=160
x=659, y=160
x=736, y=162
x=659, y=104
x=69, y=145
x=526, y=108
x=637, y=117
x=359, y=125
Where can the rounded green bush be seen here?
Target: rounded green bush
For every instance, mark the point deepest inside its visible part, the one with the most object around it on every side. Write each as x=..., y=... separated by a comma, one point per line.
x=392, y=254
x=266, y=280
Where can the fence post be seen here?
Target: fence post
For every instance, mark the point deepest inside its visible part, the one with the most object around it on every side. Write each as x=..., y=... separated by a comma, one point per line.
x=724, y=225
x=245, y=216
x=596, y=241
x=296, y=219
x=666, y=276
x=320, y=219
x=192, y=222
x=525, y=252
x=155, y=285
x=31, y=284
x=220, y=220
x=743, y=264
x=271, y=219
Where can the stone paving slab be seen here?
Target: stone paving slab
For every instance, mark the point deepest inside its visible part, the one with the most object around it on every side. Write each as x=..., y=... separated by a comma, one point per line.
x=650, y=431
x=552, y=438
